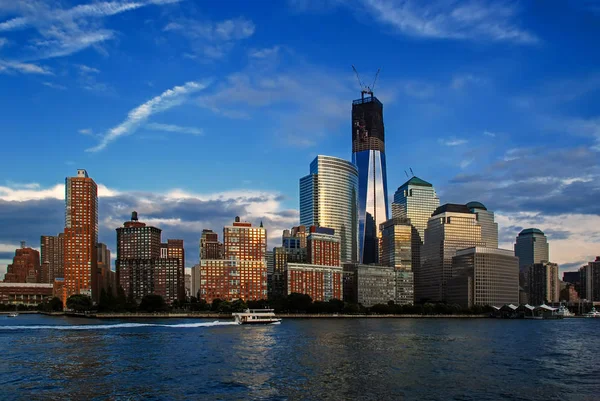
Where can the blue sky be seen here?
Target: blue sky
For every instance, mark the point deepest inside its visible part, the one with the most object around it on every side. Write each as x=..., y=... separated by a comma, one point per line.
x=191, y=112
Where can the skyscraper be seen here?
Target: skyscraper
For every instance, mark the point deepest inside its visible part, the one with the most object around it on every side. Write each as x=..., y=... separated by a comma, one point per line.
x=544, y=285
x=489, y=228
x=210, y=247
x=328, y=198
x=396, y=251
x=450, y=228
x=368, y=154
x=590, y=281
x=81, y=234
x=415, y=200
x=531, y=247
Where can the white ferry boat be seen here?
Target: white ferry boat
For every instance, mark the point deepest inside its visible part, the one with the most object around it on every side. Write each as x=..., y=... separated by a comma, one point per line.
x=13, y=314
x=256, y=316
x=593, y=313
x=564, y=311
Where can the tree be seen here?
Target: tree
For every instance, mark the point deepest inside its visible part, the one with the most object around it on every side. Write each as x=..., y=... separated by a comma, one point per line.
x=238, y=305
x=153, y=303
x=79, y=303
x=56, y=304
x=299, y=303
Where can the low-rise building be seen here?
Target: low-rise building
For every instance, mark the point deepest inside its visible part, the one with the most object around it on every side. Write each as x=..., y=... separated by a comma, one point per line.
x=368, y=285
x=321, y=282
x=28, y=294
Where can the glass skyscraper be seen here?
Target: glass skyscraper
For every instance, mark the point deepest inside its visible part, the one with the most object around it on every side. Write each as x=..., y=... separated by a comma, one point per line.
x=329, y=197
x=368, y=154
x=489, y=228
x=415, y=200
x=531, y=247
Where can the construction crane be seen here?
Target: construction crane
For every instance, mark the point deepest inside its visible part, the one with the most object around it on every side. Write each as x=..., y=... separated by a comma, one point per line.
x=364, y=89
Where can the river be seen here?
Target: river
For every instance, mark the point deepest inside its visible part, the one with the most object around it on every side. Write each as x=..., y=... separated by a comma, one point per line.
x=60, y=358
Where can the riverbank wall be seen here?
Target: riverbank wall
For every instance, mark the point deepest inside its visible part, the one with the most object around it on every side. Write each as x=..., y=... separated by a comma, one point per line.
x=279, y=315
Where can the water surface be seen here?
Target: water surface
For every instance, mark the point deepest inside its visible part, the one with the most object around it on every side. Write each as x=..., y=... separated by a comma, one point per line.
x=57, y=358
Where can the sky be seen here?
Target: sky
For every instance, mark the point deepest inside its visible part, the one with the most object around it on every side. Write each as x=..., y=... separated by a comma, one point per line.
x=194, y=112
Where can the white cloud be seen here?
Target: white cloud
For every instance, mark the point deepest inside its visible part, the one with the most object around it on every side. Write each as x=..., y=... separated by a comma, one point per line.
x=86, y=131
x=54, y=86
x=489, y=133
x=452, y=141
x=465, y=163
x=582, y=242
x=264, y=53
x=460, y=81
x=65, y=31
x=209, y=40
x=477, y=21
x=33, y=191
x=3, y=42
x=86, y=69
x=23, y=68
x=166, y=100
x=174, y=128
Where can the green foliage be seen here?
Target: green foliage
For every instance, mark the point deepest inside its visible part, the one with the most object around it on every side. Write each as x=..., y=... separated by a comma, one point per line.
x=153, y=303
x=79, y=303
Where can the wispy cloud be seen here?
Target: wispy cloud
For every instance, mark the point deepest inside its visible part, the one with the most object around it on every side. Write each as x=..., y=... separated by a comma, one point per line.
x=166, y=100
x=174, y=128
x=460, y=81
x=87, y=69
x=3, y=42
x=489, y=133
x=263, y=53
x=65, y=31
x=452, y=141
x=476, y=21
x=54, y=86
x=23, y=68
x=210, y=40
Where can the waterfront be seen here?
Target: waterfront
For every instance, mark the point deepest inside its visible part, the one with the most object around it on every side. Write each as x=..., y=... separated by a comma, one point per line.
x=373, y=359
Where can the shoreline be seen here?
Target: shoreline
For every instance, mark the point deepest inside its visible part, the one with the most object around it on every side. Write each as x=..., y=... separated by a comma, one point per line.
x=228, y=316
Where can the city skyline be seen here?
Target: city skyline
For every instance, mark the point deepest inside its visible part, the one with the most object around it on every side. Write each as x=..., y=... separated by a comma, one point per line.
x=484, y=125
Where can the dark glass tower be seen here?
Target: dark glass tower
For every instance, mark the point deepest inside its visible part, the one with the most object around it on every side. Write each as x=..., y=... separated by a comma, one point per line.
x=368, y=154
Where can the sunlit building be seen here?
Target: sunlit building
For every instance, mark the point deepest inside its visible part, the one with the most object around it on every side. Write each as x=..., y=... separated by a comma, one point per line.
x=25, y=267
x=396, y=252
x=323, y=247
x=320, y=282
x=80, y=235
x=451, y=227
x=489, y=228
x=415, y=200
x=329, y=198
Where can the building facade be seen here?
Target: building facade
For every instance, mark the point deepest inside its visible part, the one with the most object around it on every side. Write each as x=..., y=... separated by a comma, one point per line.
x=489, y=228
x=415, y=200
x=323, y=247
x=25, y=267
x=396, y=243
x=328, y=198
x=531, y=247
x=52, y=248
x=242, y=273
x=590, y=281
x=320, y=282
x=544, y=285
x=484, y=276
x=451, y=227
x=28, y=294
x=147, y=266
x=210, y=247
x=368, y=154
x=369, y=285
x=80, y=235
x=106, y=277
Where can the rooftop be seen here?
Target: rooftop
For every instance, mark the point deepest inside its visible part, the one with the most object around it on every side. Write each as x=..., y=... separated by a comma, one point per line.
x=529, y=231
x=476, y=205
x=416, y=181
x=367, y=99
x=451, y=207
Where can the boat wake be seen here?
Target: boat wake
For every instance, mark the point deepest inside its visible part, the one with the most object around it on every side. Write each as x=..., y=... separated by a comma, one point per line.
x=118, y=326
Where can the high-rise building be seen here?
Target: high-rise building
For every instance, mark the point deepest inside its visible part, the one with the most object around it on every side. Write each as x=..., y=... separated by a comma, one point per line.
x=368, y=154
x=210, y=247
x=415, y=200
x=484, y=276
x=489, y=228
x=323, y=247
x=590, y=281
x=368, y=284
x=450, y=228
x=531, y=247
x=544, y=285
x=171, y=267
x=52, y=248
x=25, y=267
x=328, y=198
x=241, y=241
x=396, y=252
x=147, y=266
x=81, y=234
x=242, y=274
